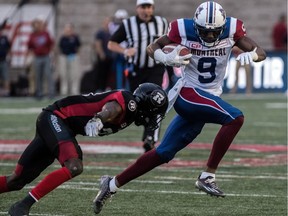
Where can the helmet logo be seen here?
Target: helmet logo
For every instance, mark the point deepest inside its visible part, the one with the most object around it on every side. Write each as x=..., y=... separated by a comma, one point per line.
x=198, y=11
x=158, y=97
x=132, y=105
x=222, y=13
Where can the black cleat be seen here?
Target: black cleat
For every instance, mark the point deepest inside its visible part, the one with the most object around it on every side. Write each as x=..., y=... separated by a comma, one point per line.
x=19, y=209
x=103, y=194
x=208, y=185
x=148, y=143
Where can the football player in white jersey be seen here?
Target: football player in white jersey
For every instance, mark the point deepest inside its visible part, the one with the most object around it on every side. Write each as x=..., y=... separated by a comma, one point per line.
x=210, y=35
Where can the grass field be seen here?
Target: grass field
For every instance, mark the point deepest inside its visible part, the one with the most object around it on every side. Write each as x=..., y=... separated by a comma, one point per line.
x=253, y=173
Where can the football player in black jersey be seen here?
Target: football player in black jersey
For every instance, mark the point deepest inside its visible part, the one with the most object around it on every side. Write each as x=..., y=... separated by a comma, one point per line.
x=56, y=129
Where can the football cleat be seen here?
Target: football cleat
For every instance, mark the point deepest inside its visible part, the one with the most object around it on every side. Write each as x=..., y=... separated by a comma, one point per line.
x=19, y=209
x=148, y=143
x=103, y=194
x=208, y=185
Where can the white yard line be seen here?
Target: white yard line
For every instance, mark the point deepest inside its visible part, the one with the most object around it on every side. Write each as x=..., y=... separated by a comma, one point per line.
x=91, y=188
x=276, y=105
x=22, y=111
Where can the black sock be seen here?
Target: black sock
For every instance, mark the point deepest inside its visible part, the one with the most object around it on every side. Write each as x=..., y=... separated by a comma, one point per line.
x=28, y=201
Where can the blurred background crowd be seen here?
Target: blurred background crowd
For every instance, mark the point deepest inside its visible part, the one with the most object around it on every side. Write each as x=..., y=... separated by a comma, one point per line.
x=59, y=47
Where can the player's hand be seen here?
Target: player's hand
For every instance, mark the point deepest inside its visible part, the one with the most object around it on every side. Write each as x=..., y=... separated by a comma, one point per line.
x=93, y=127
x=247, y=57
x=173, y=58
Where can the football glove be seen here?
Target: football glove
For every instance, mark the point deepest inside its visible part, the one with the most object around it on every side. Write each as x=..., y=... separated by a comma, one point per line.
x=172, y=59
x=247, y=57
x=93, y=127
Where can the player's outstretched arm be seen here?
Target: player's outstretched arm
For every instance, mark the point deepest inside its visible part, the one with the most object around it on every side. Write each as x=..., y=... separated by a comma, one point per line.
x=110, y=111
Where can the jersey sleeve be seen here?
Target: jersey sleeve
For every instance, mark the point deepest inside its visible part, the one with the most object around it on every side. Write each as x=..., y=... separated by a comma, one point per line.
x=119, y=35
x=240, y=30
x=173, y=32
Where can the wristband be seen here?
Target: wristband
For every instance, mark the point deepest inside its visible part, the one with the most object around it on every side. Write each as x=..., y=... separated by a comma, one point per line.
x=98, y=116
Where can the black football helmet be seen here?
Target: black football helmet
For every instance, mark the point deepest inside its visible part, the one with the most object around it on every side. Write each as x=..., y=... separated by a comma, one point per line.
x=152, y=103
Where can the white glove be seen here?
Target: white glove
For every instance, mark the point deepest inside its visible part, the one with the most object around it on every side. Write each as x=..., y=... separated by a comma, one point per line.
x=172, y=58
x=93, y=127
x=247, y=57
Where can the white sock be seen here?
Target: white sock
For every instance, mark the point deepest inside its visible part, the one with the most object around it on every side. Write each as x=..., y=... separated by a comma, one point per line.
x=206, y=174
x=112, y=185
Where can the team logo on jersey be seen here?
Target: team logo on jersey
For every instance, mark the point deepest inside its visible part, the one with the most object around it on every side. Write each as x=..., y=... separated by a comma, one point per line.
x=194, y=45
x=243, y=28
x=132, y=105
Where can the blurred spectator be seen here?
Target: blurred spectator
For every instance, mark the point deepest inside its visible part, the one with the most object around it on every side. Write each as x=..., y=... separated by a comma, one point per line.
x=117, y=19
x=104, y=65
x=4, y=73
x=40, y=45
x=247, y=67
x=120, y=63
x=279, y=34
x=69, y=45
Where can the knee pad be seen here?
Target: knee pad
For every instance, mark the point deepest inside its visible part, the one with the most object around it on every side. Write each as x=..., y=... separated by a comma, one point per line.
x=75, y=166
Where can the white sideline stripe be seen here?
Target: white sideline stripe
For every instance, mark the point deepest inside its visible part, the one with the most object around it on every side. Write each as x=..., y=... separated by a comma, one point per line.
x=35, y=110
x=269, y=124
x=198, y=193
x=227, y=177
x=276, y=105
x=22, y=111
x=69, y=187
x=87, y=149
x=221, y=174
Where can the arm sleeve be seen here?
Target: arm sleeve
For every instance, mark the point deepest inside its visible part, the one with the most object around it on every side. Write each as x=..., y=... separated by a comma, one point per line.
x=240, y=30
x=173, y=32
x=120, y=34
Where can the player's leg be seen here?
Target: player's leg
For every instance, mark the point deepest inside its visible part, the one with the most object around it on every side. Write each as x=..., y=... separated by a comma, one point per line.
x=32, y=162
x=178, y=135
x=212, y=109
x=155, y=75
x=63, y=146
x=149, y=138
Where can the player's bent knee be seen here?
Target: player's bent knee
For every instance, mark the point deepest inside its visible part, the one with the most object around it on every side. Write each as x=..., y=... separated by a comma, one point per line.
x=15, y=183
x=75, y=166
x=240, y=120
x=237, y=121
x=167, y=151
x=165, y=156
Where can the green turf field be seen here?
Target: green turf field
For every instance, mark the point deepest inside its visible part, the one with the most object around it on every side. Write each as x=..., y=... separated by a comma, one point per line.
x=254, y=178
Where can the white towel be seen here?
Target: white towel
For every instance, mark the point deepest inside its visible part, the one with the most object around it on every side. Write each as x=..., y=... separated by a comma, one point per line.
x=174, y=92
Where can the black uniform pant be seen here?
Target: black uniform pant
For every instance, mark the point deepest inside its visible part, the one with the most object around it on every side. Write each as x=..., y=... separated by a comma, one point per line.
x=53, y=140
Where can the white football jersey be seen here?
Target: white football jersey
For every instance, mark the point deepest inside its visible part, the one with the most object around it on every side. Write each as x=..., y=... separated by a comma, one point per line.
x=207, y=66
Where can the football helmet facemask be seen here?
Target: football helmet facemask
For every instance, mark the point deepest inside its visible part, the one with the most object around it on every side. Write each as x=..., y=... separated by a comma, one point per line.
x=209, y=23
x=152, y=103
